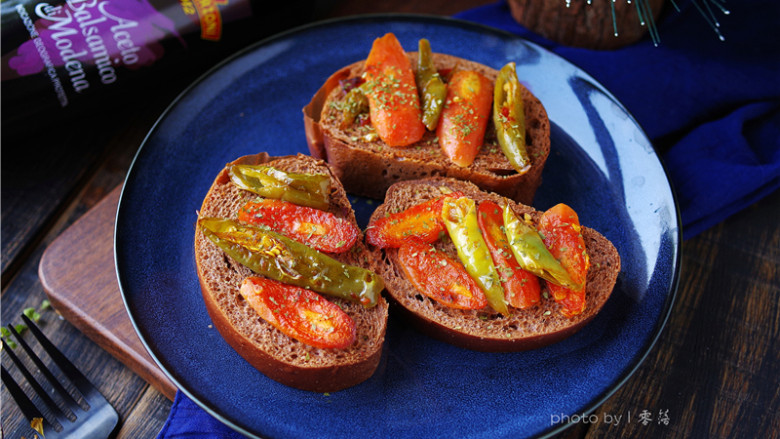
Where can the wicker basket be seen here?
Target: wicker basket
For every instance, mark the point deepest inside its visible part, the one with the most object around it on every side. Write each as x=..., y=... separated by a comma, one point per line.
x=577, y=23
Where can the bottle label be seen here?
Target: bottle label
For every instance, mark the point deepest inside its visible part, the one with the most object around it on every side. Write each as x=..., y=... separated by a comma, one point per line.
x=209, y=16
x=85, y=44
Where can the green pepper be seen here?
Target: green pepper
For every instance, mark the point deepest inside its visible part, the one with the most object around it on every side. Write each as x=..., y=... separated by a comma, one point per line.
x=302, y=189
x=509, y=118
x=355, y=103
x=285, y=260
x=460, y=218
x=531, y=253
x=433, y=90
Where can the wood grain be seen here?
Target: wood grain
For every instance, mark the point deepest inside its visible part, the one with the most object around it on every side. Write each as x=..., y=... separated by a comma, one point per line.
x=146, y=417
x=30, y=207
x=77, y=272
x=125, y=128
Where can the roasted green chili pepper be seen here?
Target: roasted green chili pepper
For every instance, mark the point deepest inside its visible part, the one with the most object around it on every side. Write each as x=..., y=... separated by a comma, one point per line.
x=280, y=258
x=303, y=189
x=354, y=103
x=460, y=218
x=433, y=90
x=531, y=253
x=509, y=118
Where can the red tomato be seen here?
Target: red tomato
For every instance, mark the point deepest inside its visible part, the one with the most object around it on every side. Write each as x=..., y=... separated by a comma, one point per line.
x=560, y=227
x=394, y=105
x=440, y=277
x=299, y=313
x=420, y=223
x=522, y=288
x=316, y=228
x=465, y=116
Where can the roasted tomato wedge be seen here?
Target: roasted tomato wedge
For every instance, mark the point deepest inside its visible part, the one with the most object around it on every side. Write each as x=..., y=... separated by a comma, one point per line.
x=393, y=102
x=420, y=223
x=465, y=116
x=560, y=228
x=316, y=228
x=521, y=288
x=440, y=277
x=299, y=313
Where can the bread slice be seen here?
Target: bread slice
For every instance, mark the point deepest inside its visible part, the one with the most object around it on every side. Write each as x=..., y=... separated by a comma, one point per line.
x=485, y=329
x=368, y=166
x=278, y=356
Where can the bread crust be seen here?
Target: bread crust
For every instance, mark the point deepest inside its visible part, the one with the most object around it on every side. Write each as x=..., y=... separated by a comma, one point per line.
x=485, y=329
x=276, y=355
x=369, y=168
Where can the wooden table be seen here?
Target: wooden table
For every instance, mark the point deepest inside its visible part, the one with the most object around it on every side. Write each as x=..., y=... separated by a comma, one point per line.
x=714, y=371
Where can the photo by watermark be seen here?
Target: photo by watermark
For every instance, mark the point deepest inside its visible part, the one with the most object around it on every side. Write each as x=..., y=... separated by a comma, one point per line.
x=642, y=417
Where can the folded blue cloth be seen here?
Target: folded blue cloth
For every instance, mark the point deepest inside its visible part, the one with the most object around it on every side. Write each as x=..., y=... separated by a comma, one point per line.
x=188, y=420
x=711, y=108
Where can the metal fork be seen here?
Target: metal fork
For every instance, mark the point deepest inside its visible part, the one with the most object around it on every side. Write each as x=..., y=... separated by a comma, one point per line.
x=71, y=420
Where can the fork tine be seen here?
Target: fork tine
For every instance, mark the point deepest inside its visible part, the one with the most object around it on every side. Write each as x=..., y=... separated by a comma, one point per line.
x=59, y=415
x=101, y=419
x=74, y=375
x=29, y=410
x=98, y=421
x=69, y=400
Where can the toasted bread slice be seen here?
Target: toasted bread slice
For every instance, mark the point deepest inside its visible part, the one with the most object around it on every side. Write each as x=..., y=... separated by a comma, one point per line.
x=485, y=329
x=368, y=166
x=278, y=356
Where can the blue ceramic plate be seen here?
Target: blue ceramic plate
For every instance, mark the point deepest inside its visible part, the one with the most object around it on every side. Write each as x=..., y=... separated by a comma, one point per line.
x=602, y=164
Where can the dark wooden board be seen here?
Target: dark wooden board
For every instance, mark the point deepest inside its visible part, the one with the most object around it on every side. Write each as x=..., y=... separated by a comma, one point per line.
x=77, y=272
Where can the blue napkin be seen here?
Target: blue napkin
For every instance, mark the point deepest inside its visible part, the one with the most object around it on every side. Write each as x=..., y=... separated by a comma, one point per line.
x=711, y=108
x=188, y=420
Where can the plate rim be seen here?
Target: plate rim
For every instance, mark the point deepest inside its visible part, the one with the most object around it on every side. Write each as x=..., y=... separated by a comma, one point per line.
x=596, y=401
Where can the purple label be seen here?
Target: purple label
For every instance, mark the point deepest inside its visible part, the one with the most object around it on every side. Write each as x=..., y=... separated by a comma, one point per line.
x=71, y=40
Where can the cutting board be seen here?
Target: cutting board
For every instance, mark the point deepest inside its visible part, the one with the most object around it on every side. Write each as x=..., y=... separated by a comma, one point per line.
x=77, y=272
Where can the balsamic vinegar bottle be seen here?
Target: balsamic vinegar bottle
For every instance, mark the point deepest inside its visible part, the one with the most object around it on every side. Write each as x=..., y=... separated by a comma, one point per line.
x=62, y=56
